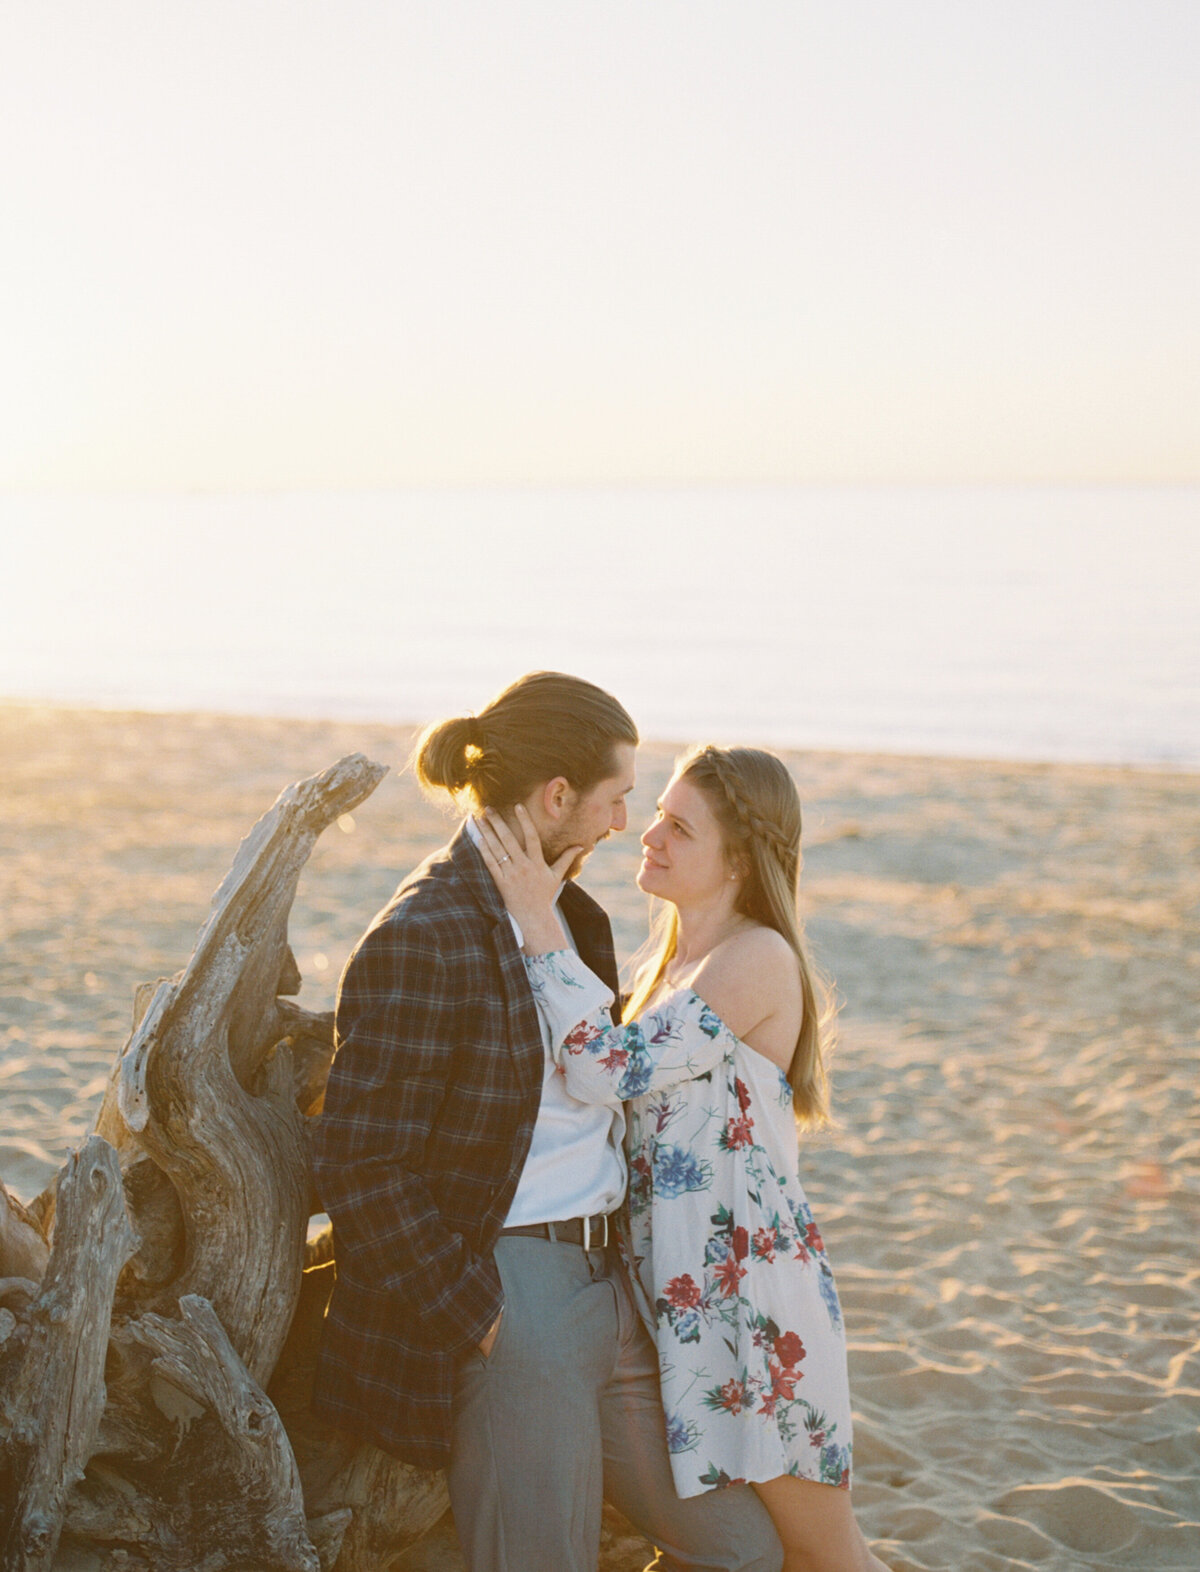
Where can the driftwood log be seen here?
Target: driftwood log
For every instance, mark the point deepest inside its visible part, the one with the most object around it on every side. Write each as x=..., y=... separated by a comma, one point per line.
x=160, y=1304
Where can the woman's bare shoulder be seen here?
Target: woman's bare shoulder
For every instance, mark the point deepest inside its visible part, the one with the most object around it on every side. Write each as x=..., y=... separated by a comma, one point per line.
x=760, y=954
x=752, y=979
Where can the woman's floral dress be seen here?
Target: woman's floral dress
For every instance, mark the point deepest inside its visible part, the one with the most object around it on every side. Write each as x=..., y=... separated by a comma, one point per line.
x=735, y=1283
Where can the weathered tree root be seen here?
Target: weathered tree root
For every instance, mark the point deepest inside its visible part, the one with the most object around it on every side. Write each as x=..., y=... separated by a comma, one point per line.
x=55, y=1399
x=201, y=1141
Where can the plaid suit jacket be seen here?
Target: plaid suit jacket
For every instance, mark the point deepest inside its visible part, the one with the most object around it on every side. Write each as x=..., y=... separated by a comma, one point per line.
x=427, y=1121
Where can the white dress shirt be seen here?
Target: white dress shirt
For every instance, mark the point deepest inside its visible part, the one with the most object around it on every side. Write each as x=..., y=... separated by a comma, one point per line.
x=576, y=1161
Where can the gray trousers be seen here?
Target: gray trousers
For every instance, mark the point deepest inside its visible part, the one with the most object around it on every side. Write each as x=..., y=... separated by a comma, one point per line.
x=566, y=1411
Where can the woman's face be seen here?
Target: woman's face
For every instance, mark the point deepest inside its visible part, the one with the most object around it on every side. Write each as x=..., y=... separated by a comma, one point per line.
x=683, y=851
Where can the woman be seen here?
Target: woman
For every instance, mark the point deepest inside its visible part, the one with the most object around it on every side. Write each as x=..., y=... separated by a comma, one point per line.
x=720, y=1056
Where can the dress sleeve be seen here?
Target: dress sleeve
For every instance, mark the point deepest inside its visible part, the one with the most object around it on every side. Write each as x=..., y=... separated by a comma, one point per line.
x=678, y=1039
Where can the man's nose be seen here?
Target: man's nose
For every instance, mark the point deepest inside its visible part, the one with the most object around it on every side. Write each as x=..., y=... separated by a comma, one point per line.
x=620, y=818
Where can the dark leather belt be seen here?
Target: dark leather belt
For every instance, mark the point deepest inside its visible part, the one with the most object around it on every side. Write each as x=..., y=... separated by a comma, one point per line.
x=590, y=1232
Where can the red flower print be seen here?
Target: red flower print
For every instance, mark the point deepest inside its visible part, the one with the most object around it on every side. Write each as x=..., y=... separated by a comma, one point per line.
x=615, y=1059
x=783, y=1382
x=741, y=1243
x=733, y=1396
x=789, y=1349
x=768, y=1404
x=764, y=1244
x=737, y=1134
x=682, y=1292
x=812, y=1237
x=729, y=1275
x=743, y=1096
x=578, y=1037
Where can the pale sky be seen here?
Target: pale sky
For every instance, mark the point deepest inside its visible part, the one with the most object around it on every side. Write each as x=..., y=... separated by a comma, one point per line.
x=375, y=243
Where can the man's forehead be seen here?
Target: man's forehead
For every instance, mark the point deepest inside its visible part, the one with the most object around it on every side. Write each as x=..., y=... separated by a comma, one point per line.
x=619, y=784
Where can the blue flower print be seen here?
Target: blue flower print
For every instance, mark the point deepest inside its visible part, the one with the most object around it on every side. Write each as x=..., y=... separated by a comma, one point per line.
x=711, y=1024
x=682, y=1434
x=684, y=1323
x=835, y=1466
x=676, y=1171
x=716, y=1250
x=718, y=1246
x=638, y=1074
x=829, y=1294
x=687, y=1327
x=728, y=1259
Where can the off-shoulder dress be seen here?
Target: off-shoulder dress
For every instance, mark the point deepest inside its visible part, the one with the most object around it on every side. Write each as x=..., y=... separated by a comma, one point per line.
x=732, y=1273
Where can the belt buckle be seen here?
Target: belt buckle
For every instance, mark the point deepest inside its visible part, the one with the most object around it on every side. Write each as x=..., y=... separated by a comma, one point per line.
x=587, y=1234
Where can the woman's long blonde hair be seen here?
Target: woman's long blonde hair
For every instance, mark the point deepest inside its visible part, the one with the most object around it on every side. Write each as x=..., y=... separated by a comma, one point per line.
x=756, y=803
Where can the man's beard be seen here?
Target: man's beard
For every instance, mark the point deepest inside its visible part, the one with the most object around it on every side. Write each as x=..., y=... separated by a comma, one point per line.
x=554, y=846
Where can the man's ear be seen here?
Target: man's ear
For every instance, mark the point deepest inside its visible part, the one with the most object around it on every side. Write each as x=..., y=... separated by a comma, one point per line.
x=557, y=796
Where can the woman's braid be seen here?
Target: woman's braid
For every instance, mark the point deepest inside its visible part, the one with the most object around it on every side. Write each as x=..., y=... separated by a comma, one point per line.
x=751, y=826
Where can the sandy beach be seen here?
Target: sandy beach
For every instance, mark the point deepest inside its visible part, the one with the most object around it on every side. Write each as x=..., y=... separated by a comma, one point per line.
x=1011, y=1196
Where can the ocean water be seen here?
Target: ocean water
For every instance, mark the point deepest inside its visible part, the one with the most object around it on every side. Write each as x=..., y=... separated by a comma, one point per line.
x=1028, y=623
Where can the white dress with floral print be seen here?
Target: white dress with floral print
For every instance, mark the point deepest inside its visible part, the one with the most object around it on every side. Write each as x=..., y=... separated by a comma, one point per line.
x=735, y=1283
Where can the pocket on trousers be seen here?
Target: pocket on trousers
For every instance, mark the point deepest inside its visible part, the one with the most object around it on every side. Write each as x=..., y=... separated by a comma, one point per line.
x=506, y=1306
x=490, y=1358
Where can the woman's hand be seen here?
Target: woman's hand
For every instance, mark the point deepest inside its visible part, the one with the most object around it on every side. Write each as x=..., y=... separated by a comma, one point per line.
x=528, y=885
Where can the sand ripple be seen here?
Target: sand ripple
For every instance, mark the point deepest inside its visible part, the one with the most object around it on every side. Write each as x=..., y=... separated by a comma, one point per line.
x=1012, y=1199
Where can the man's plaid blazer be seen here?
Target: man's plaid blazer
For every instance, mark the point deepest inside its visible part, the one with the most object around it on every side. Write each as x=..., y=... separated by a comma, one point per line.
x=427, y=1122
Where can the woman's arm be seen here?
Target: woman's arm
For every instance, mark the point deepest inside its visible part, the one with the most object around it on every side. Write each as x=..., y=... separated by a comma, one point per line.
x=675, y=1040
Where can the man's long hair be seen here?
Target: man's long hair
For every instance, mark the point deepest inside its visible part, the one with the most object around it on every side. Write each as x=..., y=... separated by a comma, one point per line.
x=544, y=725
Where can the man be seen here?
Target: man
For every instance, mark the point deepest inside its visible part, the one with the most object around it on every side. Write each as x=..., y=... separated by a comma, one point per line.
x=482, y=1319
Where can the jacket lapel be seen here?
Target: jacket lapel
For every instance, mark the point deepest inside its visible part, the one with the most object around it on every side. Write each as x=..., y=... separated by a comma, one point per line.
x=524, y=1030
x=586, y=918
x=592, y=933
